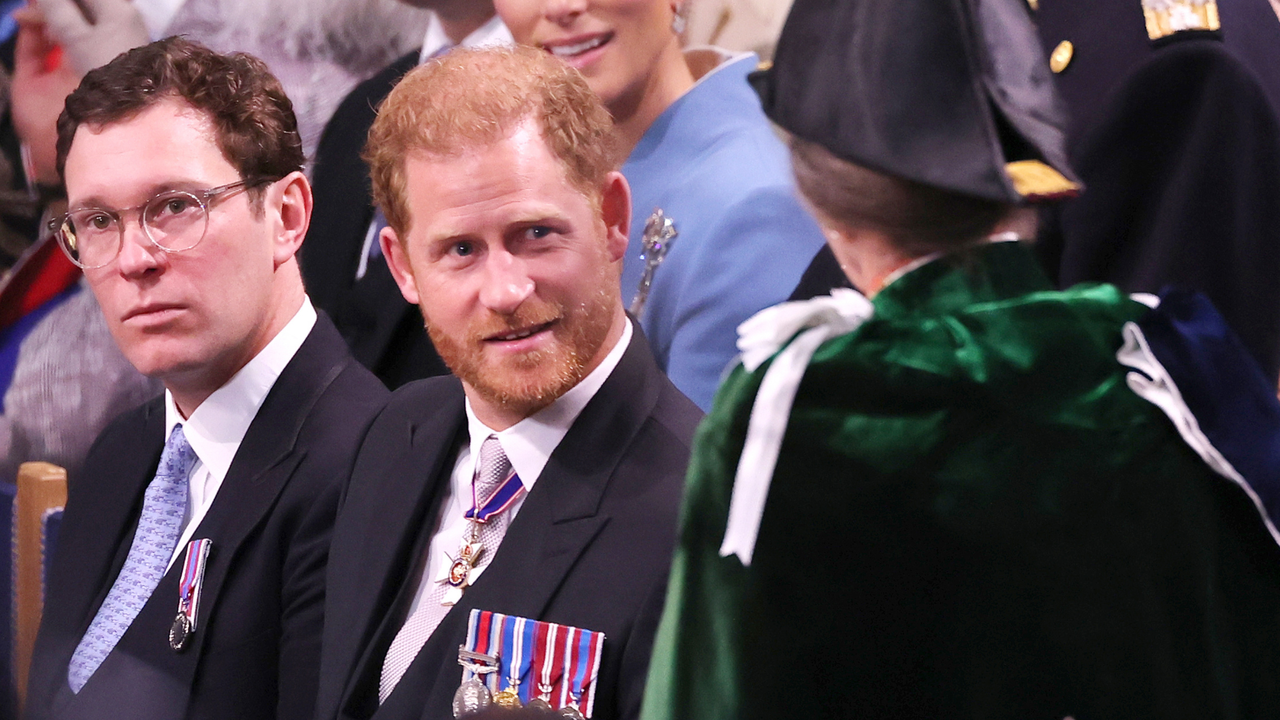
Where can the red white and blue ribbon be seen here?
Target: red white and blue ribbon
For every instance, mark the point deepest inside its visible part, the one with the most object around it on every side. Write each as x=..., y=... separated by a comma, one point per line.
x=498, y=502
x=547, y=663
x=192, y=580
x=559, y=663
x=480, y=639
x=518, y=646
x=582, y=664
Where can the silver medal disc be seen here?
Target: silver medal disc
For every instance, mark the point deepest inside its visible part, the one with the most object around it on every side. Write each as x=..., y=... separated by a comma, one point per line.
x=180, y=632
x=472, y=696
x=571, y=712
x=539, y=704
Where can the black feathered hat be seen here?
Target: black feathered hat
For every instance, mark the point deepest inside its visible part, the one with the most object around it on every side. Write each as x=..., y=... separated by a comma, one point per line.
x=954, y=94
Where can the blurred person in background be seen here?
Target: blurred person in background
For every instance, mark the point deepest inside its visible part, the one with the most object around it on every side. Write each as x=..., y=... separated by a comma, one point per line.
x=1175, y=130
x=318, y=48
x=718, y=232
x=62, y=379
x=19, y=202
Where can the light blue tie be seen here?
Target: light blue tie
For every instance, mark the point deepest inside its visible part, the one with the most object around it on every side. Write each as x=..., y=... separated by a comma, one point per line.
x=163, y=506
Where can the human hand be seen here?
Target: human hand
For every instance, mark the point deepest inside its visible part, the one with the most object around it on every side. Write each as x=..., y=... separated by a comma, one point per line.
x=94, y=31
x=42, y=79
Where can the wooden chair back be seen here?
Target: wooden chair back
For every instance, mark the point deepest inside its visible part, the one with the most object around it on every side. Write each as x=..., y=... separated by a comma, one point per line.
x=42, y=491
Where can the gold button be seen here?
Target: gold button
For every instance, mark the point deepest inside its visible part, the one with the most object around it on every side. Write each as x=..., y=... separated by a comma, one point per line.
x=1061, y=56
x=1035, y=5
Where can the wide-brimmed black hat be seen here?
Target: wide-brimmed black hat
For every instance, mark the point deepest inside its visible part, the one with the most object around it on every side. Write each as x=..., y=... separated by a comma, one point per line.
x=955, y=94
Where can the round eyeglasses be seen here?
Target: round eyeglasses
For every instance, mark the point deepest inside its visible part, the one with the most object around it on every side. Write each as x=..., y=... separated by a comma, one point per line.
x=174, y=221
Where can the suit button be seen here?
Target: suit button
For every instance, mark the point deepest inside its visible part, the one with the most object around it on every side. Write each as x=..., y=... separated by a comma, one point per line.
x=1061, y=56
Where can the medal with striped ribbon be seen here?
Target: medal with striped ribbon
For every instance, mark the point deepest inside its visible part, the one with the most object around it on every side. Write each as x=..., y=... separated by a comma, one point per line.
x=517, y=634
x=497, y=503
x=548, y=663
x=189, y=587
x=582, y=663
x=544, y=665
x=478, y=665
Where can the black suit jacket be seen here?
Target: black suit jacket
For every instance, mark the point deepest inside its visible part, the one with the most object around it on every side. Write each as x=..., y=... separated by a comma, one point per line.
x=255, y=651
x=591, y=547
x=384, y=331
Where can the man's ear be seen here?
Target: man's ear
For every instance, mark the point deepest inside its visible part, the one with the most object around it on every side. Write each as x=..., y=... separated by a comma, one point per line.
x=294, y=212
x=615, y=209
x=397, y=257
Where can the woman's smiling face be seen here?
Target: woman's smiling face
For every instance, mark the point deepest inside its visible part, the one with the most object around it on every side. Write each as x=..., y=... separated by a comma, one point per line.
x=619, y=46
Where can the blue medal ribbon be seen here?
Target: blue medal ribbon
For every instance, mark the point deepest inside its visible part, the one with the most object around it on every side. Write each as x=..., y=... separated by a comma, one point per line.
x=580, y=671
x=499, y=501
x=527, y=685
x=508, y=645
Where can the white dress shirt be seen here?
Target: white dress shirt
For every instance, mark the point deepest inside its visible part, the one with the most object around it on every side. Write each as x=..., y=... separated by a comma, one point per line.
x=217, y=427
x=158, y=14
x=528, y=445
x=491, y=34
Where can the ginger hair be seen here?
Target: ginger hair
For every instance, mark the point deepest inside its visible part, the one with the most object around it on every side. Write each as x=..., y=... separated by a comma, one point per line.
x=471, y=98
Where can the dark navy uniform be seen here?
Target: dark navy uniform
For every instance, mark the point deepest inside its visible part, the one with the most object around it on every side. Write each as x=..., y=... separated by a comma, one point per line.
x=1177, y=140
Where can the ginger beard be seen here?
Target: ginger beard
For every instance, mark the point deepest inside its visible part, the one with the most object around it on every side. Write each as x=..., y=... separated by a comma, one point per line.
x=528, y=382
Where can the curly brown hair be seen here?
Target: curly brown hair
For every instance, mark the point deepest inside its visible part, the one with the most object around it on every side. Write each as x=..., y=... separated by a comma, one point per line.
x=468, y=99
x=257, y=131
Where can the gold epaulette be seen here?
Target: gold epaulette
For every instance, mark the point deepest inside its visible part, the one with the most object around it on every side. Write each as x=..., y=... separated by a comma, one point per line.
x=1167, y=17
x=1035, y=180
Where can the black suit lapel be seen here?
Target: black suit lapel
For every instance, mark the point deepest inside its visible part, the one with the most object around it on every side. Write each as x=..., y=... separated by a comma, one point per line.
x=267, y=456
x=398, y=528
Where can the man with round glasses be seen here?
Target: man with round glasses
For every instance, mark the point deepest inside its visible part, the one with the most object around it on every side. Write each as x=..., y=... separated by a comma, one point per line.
x=189, y=578
x=174, y=220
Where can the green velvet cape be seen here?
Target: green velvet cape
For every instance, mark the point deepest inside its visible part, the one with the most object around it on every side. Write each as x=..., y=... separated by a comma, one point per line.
x=972, y=516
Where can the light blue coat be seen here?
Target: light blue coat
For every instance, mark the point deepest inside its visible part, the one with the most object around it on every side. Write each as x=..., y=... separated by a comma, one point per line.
x=713, y=164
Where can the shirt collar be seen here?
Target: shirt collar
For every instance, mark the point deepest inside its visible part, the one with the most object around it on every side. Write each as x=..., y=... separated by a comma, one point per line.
x=216, y=428
x=491, y=33
x=157, y=14
x=530, y=442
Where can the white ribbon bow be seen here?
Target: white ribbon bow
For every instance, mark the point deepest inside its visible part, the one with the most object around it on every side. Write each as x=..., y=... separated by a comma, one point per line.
x=762, y=335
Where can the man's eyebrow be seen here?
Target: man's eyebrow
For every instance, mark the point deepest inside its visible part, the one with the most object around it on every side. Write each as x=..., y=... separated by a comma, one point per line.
x=538, y=214
x=96, y=202
x=90, y=203
x=525, y=217
x=448, y=236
